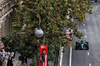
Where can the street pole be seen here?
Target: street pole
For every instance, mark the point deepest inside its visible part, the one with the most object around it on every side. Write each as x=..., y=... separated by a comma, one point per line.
x=38, y=43
x=39, y=33
x=37, y=51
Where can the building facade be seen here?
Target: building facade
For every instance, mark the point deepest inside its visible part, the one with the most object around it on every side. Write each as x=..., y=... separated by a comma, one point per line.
x=5, y=17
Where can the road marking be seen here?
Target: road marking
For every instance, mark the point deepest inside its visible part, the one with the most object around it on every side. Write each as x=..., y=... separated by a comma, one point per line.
x=97, y=12
x=84, y=29
x=61, y=56
x=96, y=8
x=85, y=36
x=89, y=64
x=88, y=33
x=83, y=24
x=87, y=53
x=70, y=59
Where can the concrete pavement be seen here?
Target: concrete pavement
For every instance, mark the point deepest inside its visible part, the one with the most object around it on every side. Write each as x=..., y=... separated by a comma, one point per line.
x=18, y=63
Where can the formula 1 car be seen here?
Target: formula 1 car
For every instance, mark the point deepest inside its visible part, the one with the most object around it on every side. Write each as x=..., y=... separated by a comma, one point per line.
x=82, y=45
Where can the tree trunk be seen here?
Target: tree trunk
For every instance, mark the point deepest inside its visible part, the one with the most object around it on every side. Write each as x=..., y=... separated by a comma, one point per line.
x=56, y=58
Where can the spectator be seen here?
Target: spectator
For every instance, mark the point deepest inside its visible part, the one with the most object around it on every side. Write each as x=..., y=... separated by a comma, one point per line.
x=1, y=59
x=6, y=60
x=3, y=53
x=30, y=61
x=24, y=60
x=9, y=60
x=12, y=54
x=12, y=60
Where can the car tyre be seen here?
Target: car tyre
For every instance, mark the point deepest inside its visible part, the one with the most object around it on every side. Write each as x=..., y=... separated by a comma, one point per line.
x=76, y=47
x=87, y=45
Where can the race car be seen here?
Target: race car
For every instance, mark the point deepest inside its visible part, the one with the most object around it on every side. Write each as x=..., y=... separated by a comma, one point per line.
x=82, y=45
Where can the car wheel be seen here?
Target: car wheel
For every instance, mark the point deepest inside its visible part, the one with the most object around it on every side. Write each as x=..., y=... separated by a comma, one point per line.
x=76, y=42
x=87, y=42
x=76, y=48
x=87, y=47
x=81, y=48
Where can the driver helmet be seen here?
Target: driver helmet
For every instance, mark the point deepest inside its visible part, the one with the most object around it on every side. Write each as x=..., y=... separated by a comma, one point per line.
x=82, y=41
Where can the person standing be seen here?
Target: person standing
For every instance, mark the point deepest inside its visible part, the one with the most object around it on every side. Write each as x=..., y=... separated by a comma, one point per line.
x=12, y=61
x=12, y=54
x=3, y=53
x=9, y=59
x=24, y=60
x=6, y=60
x=30, y=61
x=1, y=59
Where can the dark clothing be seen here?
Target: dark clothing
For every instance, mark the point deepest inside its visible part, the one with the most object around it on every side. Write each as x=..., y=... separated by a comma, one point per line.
x=1, y=60
x=24, y=60
x=9, y=63
x=0, y=63
x=42, y=57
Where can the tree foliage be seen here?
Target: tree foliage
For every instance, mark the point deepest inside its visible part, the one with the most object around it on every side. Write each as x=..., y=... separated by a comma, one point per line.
x=53, y=22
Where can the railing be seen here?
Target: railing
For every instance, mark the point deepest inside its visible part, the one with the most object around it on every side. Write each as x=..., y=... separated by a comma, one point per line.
x=4, y=4
x=5, y=9
x=6, y=13
x=10, y=1
x=16, y=3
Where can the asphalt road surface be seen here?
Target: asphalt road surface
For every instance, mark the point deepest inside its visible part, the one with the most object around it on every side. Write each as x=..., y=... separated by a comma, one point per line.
x=91, y=30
